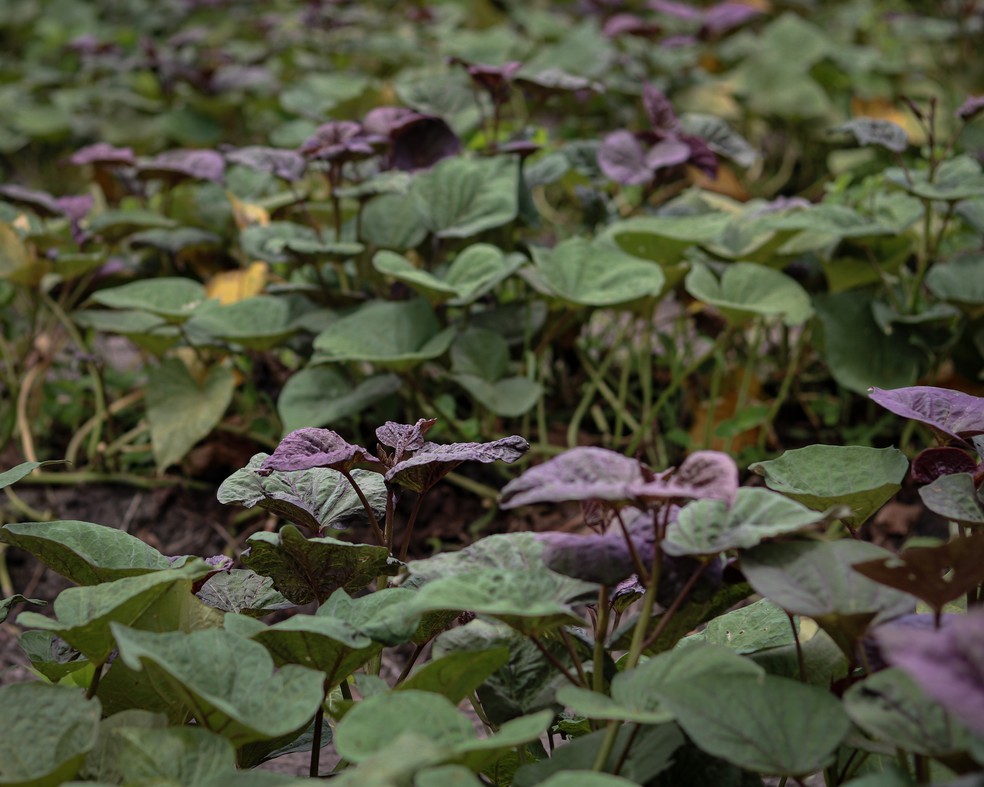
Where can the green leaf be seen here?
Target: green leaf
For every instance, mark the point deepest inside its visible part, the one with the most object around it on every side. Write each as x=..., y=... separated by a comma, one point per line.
x=836, y=222
x=591, y=274
x=955, y=497
x=759, y=626
x=51, y=656
x=816, y=579
x=425, y=283
x=17, y=598
x=83, y=552
x=316, y=95
x=146, y=330
x=457, y=675
x=258, y=752
x=460, y=197
x=17, y=263
x=257, y=323
x=180, y=411
x=319, y=642
x=83, y=615
x=103, y=762
x=320, y=396
x=585, y=779
x=822, y=476
x=391, y=221
x=227, y=681
x=47, y=731
x=509, y=397
x=397, y=335
x=890, y=707
x=771, y=725
x=305, y=569
x=955, y=179
x=860, y=355
x=176, y=755
x=243, y=591
x=706, y=527
x=502, y=576
x=446, y=776
x=665, y=239
x=173, y=298
x=958, y=281
x=17, y=472
x=387, y=616
x=316, y=499
x=479, y=362
x=747, y=290
x=114, y=225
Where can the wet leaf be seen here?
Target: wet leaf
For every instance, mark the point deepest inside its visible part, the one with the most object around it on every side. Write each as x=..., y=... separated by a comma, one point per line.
x=823, y=476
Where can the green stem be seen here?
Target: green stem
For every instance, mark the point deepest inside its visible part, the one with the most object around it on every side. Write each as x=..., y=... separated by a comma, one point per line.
x=572, y=652
x=90, y=692
x=744, y=387
x=606, y=391
x=712, y=399
x=553, y=660
x=589, y=390
x=672, y=610
x=600, y=635
x=792, y=367
x=24, y=508
x=607, y=744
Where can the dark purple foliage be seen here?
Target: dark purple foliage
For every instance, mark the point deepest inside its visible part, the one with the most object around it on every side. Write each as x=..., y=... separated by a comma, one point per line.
x=676, y=571
x=948, y=664
x=679, y=10
x=341, y=140
x=432, y=462
x=181, y=164
x=629, y=25
x=404, y=437
x=41, y=202
x=953, y=413
x=971, y=108
x=604, y=559
x=585, y=473
x=875, y=660
x=304, y=449
x=941, y=460
x=417, y=141
x=105, y=154
x=287, y=165
x=648, y=156
x=723, y=17
x=703, y=474
x=494, y=80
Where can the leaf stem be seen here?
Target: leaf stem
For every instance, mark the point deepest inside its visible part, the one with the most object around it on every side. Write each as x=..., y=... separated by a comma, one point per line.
x=405, y=548
x=373, y=522
x=607, y=744
x=600, y=635
x=90, y=692
x=800, y=659
x=553, y=660
x=672, y=610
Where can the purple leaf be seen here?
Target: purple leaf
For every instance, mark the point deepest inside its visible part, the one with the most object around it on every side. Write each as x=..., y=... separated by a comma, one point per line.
x=104, y=153
x=948, y=663
x=287, y=165
x=603, y=559
x=704, y=474
x=622, y=158
x=679, y=10
x=76, y=208
x=701, y=156
x=41, y=202
x=668, y=153
x=179, y=164
x=630, y=25
x=304, y=449
x=585, y=473
x=970, y=108
x=421, y=141
x=432, y=462
x=404, y=437
x=953, y=413
x=875, y=660
x=339, y=141
x=721, y=18
x=520, y=147
x=660, y=111
x=941, y=460
x=495, y=80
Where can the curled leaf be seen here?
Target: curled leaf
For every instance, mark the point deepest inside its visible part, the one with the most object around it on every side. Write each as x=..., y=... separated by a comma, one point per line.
x=432, y=462
x=404, y=437
x=585, y=473
x=704, y=474
x=953, y=413
x=304, y=449
x=941, y=460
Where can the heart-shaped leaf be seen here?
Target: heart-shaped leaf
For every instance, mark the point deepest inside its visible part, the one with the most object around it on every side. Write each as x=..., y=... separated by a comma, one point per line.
x=175, y=755
x=173, y=298
x=953, y=413
x=257, y=323
x=457, y=675
x=321, y=395
x=958, y=281
x=706, y=527
x=397, y=335
x=583, y=273
x=319, y=642
x=305, y=569
x=956, y=178
x=47, y=732
x=391, y=221
x=704, y=474
x=84, y=615
x=460, y=197
x=665, y=239
x=817, y=579
x=747, y=291
x=180, y=410
x=823, y=476
x=85, y=553
x=114, y=225
x=890, y=707
x=227, y=681
x=955, y=497
x=318, y=498
x=584, y=473
x=387, y=616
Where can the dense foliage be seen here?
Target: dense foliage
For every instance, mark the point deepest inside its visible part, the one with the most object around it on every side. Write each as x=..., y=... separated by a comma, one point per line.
x=640, y=257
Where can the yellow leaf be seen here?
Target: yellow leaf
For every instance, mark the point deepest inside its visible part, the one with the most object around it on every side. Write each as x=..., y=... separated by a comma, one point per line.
x=726, y=182
x=19, y=262
x=247, y=214
x=233, y=286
